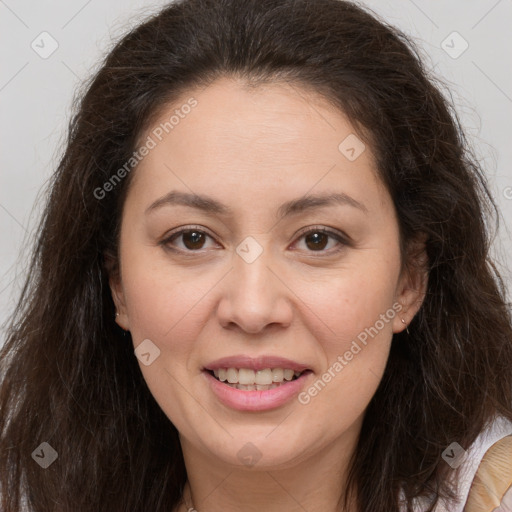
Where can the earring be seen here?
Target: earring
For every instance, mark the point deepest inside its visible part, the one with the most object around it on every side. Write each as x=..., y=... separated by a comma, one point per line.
x=406, y=327
x=124, y=332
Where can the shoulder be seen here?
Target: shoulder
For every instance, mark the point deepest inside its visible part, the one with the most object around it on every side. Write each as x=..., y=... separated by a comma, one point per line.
x=483, y=478
x=492, y=484
x=485, y=467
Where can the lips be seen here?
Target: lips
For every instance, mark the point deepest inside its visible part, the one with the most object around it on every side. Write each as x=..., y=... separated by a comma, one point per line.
x=274, y=381
x=244, y=398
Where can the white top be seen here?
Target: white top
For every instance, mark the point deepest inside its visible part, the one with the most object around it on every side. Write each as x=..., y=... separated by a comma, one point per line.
x=495, y=430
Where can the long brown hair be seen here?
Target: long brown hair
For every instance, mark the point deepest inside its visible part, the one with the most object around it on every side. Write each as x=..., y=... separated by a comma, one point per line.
x=68, y=373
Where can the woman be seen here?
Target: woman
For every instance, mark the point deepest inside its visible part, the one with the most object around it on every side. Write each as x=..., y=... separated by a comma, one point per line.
x=262, y=281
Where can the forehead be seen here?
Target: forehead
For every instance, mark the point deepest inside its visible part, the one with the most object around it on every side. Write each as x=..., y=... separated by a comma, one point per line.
x=273, y=137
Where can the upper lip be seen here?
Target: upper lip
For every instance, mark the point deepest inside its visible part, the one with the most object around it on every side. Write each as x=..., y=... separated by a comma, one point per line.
x=256, y=363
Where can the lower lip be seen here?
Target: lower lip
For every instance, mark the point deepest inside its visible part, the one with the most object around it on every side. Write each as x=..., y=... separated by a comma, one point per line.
x=256, y=400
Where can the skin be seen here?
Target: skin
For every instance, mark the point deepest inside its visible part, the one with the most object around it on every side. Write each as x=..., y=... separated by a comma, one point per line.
x=254, y=150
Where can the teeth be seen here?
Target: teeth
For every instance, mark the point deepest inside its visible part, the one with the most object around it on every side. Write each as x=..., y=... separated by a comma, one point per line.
x=232, y=376
x=256, y=387
x=288, y=374
x=277, y=375
x=263, y=377
x=248, y=379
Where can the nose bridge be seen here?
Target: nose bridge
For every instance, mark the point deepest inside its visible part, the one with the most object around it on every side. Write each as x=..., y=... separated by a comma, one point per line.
x=251, y=267
x=254, y=296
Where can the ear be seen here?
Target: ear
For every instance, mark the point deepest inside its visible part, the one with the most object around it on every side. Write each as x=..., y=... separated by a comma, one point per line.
x=116, y=289
x=412, y=285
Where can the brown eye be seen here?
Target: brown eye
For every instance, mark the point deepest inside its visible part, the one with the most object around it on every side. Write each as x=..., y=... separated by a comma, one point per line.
x=316, y=240
x=193, y=239
x=186, y=240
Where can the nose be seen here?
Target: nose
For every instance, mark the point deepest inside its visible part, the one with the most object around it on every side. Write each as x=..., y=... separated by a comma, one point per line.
x=255, y=296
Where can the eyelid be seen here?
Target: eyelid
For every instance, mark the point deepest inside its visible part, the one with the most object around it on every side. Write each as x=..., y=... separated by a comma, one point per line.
x=335, y=233
x=184, y=229
x=340, y=237
x=343, y=241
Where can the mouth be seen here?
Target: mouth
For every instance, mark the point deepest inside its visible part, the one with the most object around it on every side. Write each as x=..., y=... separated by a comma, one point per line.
x=247, y=379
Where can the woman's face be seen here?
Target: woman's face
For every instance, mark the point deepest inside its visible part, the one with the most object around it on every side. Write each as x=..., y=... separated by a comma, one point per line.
x=254, y=178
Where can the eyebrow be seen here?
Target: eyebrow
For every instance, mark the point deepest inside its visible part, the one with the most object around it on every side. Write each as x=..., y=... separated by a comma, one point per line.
x=209, y=205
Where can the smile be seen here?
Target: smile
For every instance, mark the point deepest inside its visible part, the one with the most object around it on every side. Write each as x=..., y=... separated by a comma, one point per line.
x=247, y=379
x=256, y=397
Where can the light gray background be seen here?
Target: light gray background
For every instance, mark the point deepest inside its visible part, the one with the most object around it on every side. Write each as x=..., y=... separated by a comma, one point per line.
x=36, y=95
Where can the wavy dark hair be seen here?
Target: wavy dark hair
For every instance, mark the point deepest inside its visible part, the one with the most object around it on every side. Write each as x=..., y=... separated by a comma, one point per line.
x=69, y=376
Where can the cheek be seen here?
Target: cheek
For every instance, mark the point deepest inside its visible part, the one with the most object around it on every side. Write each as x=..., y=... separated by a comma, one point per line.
x=349, y=300
x=167, y=306
x=354, y=334
x=352, y=321
x=165, y=301
x=338, y=311
x=164, y=305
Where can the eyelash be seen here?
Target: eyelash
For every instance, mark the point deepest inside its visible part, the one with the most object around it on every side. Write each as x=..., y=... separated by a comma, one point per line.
x=343, y=241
